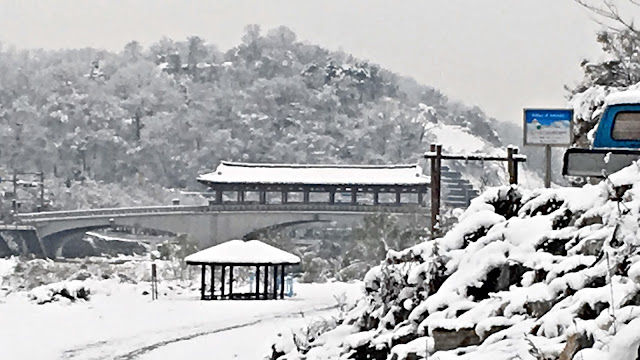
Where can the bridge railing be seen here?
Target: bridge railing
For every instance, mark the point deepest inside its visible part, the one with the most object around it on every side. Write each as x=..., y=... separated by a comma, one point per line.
x=405, y=208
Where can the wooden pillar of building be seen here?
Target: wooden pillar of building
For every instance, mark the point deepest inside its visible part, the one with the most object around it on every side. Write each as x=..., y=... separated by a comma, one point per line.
x=257, y=281
x=275, y=282
x=240, y=196
x=332, y=196
x=230, y=282
x=222, y=282
x=202, y=281
x=263, y=197
x=354, y=196
x=218, y=196
x=376, y=197
x=420, y=197
x=282, y=282
x=213, y=282
x=305, y=196
x=398, y=196
x=285, y=196
x=266, y=282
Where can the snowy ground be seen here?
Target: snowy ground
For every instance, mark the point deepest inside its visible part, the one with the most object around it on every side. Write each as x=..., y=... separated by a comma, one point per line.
x=120, y=323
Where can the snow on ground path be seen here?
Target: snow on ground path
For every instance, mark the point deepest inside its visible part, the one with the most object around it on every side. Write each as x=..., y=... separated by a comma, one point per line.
x=250, y=341
x=119, y=323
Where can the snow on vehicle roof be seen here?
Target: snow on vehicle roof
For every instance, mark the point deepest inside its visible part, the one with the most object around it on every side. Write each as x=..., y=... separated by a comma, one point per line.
x=231, y=172
x=242, y=252
x=624, y=97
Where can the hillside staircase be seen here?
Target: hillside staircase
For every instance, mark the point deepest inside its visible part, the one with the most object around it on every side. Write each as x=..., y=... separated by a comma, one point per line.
x=457, y=192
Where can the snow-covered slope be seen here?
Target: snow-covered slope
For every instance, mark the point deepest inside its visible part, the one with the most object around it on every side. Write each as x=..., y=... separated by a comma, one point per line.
x=543, y=274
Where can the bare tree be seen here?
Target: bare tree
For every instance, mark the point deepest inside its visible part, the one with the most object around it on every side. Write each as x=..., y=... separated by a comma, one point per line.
x=609, y=11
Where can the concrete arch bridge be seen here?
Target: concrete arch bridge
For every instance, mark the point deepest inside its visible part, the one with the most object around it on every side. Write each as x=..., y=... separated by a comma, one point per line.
x=208, y=225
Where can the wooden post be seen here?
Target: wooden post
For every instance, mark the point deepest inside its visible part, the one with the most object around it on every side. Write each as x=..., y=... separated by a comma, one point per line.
x=435, y=189
x=230, y=282
x=275, y=282
x=241, y=196
x=42, y=189
x=202, y=281
x=420, y=197
x=511, y=165
x=154, y=282
x=515, y=166
x=547, y=174
x=305, y=195
x=222, y=282
x=263, y=197
x=257, y=281
x=266, y=282
x=398, y=196
x=376, y=198
x=218, y=196
x=332, y=196
x=354, y=195
x=282, y=282
x=213, y=282
x=285, y=196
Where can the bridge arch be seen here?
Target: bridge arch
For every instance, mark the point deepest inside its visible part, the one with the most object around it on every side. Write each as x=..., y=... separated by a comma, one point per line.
x=207, y=226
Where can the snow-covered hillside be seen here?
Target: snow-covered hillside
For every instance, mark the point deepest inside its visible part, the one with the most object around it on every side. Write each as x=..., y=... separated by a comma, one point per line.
x=542, y=274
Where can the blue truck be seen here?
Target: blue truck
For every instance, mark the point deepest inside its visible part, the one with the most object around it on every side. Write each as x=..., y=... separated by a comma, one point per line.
x=616, y=142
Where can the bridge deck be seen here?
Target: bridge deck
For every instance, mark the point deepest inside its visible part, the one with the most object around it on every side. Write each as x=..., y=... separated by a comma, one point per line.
x=391, y=209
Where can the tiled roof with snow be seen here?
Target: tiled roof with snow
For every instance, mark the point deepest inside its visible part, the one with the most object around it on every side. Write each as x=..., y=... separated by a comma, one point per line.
x=230, y=173
x=242, y=252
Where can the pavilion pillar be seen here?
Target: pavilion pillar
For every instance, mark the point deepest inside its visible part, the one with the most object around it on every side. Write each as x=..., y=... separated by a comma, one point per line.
x=266, y=282
x=282, y=282
x=354, y=196
x=202, y=281
x=275, y=282
x=285, y=196
x=230, y=282
x=218, y=196
x=398, y=196
x=420, y=197
x=263, y=197
x=332, y=196
x=213, y=282
x=305, y=195
x=222, y=282
x=257, y=281
x=376, y=199
x=241, y=196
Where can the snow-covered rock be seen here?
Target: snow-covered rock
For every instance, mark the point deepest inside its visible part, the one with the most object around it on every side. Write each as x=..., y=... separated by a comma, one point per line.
x=548, y=273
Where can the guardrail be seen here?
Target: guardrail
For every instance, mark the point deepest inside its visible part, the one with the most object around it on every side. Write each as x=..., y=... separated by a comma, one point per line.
x=391, y=208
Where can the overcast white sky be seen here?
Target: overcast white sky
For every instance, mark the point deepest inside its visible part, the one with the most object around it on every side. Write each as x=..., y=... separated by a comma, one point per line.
x=502, y=55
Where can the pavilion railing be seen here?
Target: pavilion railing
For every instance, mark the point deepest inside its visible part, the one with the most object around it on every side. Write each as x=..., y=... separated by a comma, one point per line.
x=315, y=207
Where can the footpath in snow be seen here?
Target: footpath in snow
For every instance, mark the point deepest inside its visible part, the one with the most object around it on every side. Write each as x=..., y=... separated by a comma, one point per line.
x=120, y=323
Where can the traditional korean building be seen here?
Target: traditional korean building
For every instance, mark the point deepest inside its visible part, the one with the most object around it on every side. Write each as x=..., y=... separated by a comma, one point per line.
x=328, y=184
x=269, y=262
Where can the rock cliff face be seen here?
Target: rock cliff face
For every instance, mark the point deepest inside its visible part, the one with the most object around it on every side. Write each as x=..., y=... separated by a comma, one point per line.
x=544, y=274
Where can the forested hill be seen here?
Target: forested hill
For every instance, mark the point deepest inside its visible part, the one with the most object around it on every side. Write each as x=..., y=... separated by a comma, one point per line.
x=166, y=113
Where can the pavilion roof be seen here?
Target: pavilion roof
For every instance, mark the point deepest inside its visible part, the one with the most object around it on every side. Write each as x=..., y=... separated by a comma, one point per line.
x=300, y=174
x=253, y=252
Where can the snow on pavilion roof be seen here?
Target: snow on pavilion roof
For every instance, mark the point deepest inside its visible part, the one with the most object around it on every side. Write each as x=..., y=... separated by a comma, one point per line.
x=252, y=252
x=234, y=173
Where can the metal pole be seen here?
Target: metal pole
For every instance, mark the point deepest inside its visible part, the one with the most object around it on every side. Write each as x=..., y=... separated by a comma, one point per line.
x=547, y=174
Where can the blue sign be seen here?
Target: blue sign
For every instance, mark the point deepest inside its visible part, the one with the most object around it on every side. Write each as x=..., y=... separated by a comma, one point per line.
x=548, y=127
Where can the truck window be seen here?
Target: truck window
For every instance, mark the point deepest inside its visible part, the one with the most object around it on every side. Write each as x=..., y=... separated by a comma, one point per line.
x=626, y=126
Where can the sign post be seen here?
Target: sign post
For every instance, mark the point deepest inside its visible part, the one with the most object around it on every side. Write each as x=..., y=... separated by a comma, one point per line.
x=548, y=128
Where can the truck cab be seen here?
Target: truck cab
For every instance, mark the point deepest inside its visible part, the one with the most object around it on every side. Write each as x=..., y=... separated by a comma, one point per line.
x=616, y=143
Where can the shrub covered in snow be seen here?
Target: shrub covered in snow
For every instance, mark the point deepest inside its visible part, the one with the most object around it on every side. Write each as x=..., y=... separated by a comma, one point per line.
x=543, y=274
